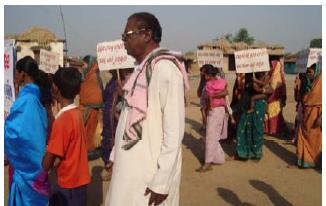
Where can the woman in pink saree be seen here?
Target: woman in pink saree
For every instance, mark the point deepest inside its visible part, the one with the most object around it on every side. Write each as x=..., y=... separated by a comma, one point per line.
x=217, y=119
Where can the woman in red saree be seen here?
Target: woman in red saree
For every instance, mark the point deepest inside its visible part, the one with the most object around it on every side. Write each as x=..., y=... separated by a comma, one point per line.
x=274, y=120
x=238, y=90
x=91, y=99
x=309, y=145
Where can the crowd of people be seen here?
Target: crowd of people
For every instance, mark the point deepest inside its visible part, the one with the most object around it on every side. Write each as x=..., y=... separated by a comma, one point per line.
x=257, y=109
x=143, y=112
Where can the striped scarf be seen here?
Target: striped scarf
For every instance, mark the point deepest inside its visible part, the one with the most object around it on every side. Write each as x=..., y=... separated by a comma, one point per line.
x=136, y=96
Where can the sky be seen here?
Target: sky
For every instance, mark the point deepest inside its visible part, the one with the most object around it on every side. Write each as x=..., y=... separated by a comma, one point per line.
x=184, y=27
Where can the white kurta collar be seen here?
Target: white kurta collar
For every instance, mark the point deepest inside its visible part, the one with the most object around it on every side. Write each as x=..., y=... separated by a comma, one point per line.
x=66, y=108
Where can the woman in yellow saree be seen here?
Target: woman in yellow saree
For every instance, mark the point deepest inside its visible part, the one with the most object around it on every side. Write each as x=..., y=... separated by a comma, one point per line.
x=309, y=135
x=274, y=120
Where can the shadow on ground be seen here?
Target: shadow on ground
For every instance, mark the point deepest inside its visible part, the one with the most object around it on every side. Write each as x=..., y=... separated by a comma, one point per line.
x=284, y=154
x=196, y=146
x=230, y=197
x=275, y=197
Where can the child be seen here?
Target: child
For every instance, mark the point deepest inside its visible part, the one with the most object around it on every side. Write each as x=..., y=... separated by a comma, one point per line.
x=260, y=84
x=66, y=148
x=216, y=89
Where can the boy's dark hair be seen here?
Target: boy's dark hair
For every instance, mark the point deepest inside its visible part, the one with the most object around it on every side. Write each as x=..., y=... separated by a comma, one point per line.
x=150, y=22
x=68, y=80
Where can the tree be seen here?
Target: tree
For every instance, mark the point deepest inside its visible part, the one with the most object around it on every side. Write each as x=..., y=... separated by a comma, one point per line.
x=243, y=35
x=315, y=43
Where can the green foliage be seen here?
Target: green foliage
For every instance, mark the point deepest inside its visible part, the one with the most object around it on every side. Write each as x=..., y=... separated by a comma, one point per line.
x=316, y=43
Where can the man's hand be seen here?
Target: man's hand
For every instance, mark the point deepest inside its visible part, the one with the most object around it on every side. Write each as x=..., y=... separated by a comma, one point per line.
x=109, y=166
x=155, y=197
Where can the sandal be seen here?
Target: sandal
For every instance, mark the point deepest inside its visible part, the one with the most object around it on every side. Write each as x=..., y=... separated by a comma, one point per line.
x=204, y=168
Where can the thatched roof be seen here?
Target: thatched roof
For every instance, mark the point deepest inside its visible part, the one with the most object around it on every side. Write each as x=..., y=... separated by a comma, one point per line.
x=38, y=34
x=240, y=46
x=259, y=44
x=230, y=48
x=223, y=44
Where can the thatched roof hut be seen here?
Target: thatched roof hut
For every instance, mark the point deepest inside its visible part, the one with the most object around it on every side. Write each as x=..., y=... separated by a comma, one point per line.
x=230, y=48
x=37, y=34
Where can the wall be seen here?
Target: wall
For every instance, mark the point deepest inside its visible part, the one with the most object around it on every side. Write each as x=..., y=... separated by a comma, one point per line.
x=26, y=49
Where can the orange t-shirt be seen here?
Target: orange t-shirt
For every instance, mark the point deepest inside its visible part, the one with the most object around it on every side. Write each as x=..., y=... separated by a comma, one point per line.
x=68, y=141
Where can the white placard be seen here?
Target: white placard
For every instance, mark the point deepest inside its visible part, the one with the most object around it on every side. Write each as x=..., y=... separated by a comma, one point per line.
x=213, y=57
x=302, y=61
x=49, y=61
x=113, y=55
x=315, y=56
x=252, y=60
x=9, y=89
x=306, y=58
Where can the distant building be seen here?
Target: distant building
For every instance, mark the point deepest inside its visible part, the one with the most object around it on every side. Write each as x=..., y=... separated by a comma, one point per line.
x=289, y=63
x=274, y=51
x=34, y=39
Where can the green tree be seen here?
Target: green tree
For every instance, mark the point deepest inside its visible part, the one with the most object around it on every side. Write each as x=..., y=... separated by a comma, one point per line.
x=243, y=35
x=315, y=43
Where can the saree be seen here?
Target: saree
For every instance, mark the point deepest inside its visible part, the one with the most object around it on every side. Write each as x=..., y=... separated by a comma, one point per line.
x=309, y=145
x=109, y=123
x=250, y=132
x=238, y=89
x=274, y=120
x=216, y=130
x=91, y=100
x=25, y=134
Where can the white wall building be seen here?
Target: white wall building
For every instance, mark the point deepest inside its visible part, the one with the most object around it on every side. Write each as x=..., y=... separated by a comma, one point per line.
x=31, y=41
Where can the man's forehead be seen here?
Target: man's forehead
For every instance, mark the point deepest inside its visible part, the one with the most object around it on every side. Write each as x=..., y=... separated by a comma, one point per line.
x=132, y=23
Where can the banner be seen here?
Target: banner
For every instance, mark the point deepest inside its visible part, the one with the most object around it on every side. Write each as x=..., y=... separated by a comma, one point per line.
x=252, y=60
x=113, y=55
x=306, y=58
x=9, y=89
x=213, y=57
x=49, y=61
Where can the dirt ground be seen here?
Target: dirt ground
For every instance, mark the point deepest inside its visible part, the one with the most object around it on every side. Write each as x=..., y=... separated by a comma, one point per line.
x=263, y=183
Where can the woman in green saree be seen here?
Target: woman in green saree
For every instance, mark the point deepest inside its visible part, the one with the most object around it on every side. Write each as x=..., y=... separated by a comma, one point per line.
x=250, y=128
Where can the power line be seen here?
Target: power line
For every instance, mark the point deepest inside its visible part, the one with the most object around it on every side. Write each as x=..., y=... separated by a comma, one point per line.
x=64, y=30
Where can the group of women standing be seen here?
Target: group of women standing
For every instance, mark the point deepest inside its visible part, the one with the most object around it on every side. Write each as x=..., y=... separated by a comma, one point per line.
x=266, y=117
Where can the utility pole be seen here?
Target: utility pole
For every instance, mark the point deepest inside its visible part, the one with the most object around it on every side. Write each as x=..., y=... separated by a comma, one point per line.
x=64, y=30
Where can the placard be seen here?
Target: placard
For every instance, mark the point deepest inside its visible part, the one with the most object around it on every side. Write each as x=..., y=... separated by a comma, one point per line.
x=213, y=57
x=252, y=60
x=9, y=89
x=49, y=61
x=113, y=55
x=306, y=58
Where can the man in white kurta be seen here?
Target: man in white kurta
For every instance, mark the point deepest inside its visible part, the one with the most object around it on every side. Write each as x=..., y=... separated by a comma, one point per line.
x=155, y=161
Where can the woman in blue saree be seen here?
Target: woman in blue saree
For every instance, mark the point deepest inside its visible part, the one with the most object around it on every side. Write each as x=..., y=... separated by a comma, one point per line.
x=25, y=136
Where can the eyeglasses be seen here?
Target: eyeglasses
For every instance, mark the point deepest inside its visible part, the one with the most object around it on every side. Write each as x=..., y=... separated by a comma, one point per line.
x=128, y=34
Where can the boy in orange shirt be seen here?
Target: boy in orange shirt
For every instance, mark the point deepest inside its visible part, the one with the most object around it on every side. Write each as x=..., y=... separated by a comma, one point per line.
x=67, y=143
